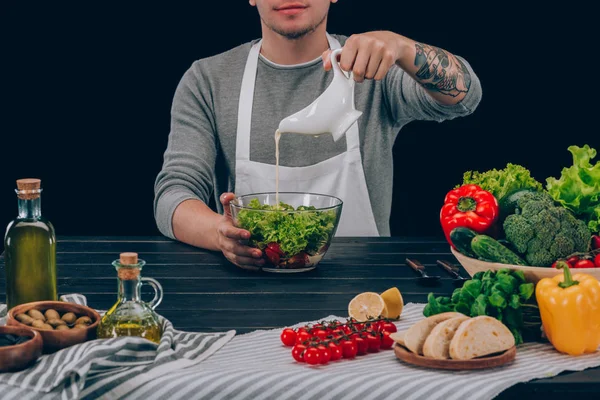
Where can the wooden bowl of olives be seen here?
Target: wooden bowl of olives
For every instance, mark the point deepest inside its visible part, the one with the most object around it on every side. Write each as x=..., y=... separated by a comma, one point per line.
x=20, y=347
x=60, y=324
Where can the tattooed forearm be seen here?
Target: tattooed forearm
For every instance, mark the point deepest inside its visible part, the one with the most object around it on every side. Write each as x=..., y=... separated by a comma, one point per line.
x=440, y=71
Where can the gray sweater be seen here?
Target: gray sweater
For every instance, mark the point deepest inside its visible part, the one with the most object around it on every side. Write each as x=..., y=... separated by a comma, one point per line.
x=199, y=161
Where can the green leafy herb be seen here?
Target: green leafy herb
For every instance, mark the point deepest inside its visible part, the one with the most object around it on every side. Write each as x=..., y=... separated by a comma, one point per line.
x=293, y=231
x=503, y=295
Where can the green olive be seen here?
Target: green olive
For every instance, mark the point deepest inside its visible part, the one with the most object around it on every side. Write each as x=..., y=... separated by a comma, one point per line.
x=83, y=321
x=35, y=314
x=51, y=314
x=41, y=325
x=24, y=319
x=56, y=322
x=62, y=328
x=69, y=318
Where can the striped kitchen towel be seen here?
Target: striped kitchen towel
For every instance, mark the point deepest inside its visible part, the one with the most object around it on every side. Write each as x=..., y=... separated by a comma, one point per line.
x=257, y=366
x=91, y=369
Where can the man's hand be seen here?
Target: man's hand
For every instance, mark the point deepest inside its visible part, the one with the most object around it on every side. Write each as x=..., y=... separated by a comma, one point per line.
x=229, y=240
x=368, y=55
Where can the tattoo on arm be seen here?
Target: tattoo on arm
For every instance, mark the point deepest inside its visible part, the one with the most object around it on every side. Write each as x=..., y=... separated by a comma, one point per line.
x=440, y=71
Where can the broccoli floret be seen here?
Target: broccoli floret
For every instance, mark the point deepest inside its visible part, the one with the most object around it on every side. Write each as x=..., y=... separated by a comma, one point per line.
x=543, y=232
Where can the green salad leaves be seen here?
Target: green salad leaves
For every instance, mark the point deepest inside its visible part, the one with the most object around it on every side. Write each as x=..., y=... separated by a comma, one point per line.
x=578, y=188
x=504, y=295
x=293, y=231
x=504, y=181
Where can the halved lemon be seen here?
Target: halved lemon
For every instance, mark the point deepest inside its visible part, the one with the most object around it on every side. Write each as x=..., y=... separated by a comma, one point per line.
x=393, y=302
x=366, y=305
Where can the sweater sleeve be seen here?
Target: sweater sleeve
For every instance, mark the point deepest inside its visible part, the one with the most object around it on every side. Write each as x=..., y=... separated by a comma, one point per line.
x=189, y=160
x=407, y=100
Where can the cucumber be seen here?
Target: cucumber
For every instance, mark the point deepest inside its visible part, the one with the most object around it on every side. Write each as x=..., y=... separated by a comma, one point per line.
x=461, y=239
x=490, y=249
x=508, y=204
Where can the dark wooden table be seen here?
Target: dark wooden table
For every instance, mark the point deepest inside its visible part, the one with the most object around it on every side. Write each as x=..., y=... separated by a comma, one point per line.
x=203, y=292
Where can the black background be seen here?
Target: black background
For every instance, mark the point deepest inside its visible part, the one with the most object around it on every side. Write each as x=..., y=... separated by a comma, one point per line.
x=87, y=88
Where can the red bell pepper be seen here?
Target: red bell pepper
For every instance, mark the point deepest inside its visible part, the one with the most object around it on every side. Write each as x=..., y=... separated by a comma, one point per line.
x=595, y=242
x=471, y=207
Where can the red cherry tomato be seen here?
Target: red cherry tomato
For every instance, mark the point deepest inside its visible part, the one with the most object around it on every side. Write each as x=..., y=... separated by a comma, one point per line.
x=272, y=256
x=584, y=264
x=325, y=354
x=389, y=327
x=373, y=342
x=298, y=352
x=312, y=356
x=572, y=260
x=288, y=337
x=275, y=248
x=349, y=349
x=335, y=350
x=386, y=341
x=320, y=333
x=597, y=260
x=361, y=345
x=302, y=337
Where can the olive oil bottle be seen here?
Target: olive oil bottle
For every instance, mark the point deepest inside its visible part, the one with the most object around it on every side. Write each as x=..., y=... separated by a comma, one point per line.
x=30, y=250
x=130, y=316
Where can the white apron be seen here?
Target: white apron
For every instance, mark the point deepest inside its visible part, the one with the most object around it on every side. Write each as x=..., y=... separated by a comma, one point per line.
x=340, y=176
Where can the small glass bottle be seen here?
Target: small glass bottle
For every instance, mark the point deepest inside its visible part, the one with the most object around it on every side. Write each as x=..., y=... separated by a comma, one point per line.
x=30, y=250
x=130, y=316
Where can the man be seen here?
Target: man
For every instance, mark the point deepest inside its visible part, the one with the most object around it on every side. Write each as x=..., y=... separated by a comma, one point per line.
x=227, y=107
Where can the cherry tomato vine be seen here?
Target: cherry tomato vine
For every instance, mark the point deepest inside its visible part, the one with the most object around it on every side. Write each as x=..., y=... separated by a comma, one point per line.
x=328, y=341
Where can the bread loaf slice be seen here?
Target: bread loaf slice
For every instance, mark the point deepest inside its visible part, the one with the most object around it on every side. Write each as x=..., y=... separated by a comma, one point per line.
x=480, y=336
x=415, y=336
x=398, y=337
x=437, y=344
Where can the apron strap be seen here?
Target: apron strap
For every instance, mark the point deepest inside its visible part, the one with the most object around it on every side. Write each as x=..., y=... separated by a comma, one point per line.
x=245, y=104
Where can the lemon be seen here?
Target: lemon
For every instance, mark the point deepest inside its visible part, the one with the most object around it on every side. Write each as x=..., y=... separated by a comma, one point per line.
x=393, y=303
x=366, y=305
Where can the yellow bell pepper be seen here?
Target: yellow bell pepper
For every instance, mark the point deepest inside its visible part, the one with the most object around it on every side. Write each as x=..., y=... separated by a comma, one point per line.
x=570, y=311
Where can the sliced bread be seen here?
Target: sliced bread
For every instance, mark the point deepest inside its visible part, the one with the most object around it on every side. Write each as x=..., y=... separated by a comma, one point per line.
x=398, y=337
x=480, y=336
x=415, y=336
x=437, y=344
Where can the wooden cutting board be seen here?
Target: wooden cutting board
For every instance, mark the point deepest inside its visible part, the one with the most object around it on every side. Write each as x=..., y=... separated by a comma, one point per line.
x=492, y=361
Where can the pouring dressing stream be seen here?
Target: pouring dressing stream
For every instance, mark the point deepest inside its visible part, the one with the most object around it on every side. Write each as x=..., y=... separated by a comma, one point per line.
x=332, y=112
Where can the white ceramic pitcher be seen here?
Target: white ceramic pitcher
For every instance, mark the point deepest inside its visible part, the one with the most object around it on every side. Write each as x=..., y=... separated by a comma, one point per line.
x=333, y=112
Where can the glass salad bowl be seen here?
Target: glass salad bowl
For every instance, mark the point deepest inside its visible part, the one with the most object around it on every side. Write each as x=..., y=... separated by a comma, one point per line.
x=294, y=236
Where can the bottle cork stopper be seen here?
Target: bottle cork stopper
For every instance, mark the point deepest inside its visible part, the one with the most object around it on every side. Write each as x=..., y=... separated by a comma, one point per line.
x=128, y=258
x=28, y=188
x=128, y=274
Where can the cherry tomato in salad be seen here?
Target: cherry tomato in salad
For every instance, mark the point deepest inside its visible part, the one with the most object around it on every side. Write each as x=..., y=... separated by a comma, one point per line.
x=275, y=248
x=335, y=350
x=584, y=264
x=288, y=337
x=298, y=352
x=325, y=354
x=386, y=341
x=597, y=260
x=312, y=356
x=273, y=257
x=349, y=349
x=389, y=327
